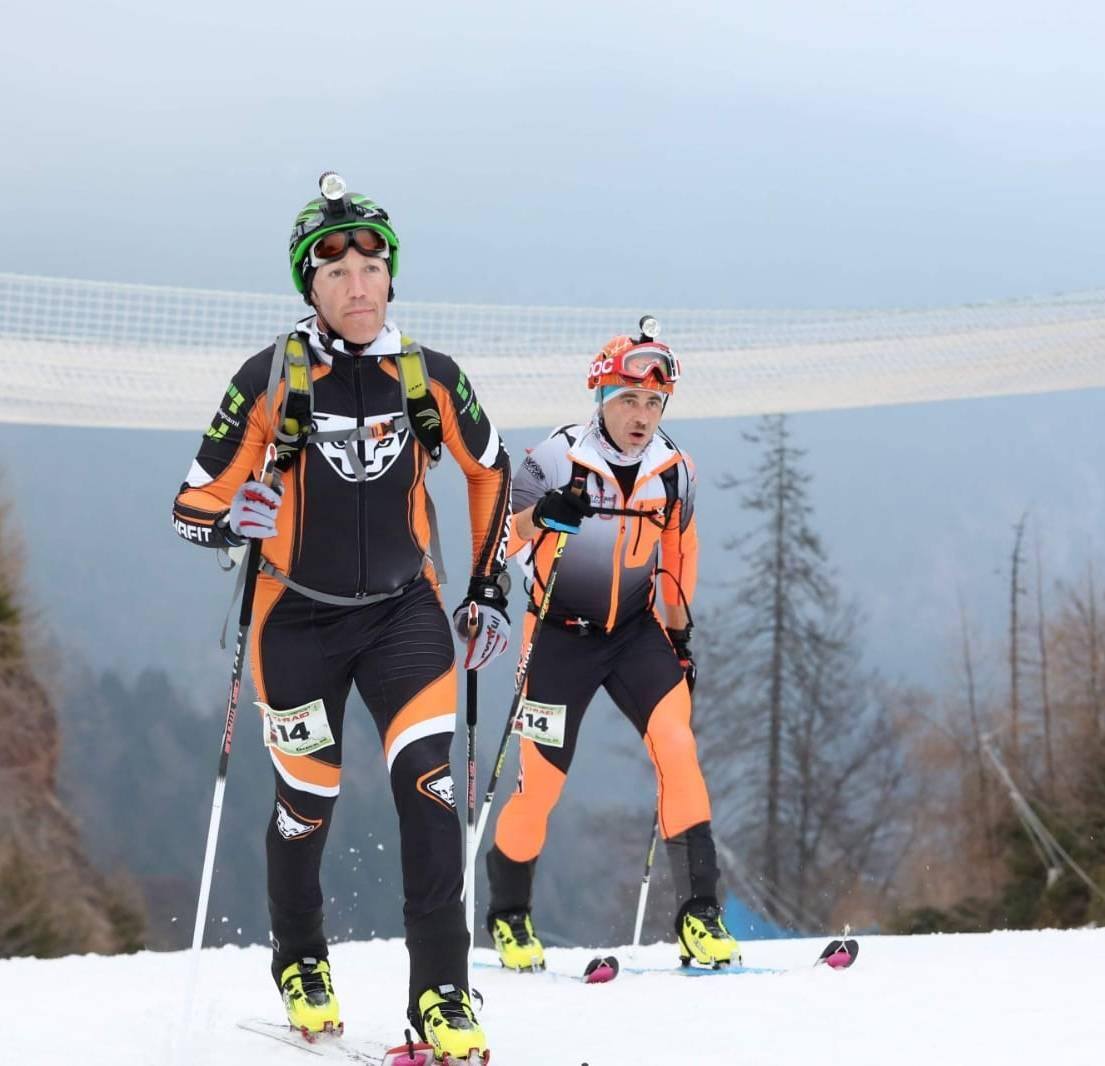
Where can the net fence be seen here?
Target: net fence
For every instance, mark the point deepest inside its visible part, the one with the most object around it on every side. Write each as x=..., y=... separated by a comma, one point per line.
x=140, y=356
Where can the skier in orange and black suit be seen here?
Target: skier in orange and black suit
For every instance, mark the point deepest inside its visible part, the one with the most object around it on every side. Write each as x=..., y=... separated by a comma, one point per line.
x=348, y=594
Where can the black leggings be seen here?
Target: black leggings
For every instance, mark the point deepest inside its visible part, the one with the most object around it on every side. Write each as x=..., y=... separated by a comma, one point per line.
x=399, y=654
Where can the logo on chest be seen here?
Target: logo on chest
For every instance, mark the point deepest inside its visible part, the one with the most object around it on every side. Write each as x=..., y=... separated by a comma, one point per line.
x=380, y=447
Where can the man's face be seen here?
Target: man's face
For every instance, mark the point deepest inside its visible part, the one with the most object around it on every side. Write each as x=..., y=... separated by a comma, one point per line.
x=631, y=418
x=351, y=295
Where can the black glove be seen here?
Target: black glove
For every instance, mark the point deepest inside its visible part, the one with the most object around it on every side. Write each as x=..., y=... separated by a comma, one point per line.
x=681, y=642
x=493, y=624
x=562, y=510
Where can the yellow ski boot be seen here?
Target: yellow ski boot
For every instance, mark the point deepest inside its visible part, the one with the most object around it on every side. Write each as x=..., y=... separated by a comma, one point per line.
x=703, y=936
x=515, y=941
x=447, y=1022
x=309, y=998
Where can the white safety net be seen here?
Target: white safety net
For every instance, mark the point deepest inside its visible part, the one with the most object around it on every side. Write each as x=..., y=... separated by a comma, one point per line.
x=106, y=354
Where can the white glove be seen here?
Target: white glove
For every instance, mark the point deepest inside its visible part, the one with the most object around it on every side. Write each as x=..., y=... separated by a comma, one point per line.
x=492, y=624
x=253, y=511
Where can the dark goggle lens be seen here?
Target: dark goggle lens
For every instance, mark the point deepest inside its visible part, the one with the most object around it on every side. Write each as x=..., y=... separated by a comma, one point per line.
x=334, y=245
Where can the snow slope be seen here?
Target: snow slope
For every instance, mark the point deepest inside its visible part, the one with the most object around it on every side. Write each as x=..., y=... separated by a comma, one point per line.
x=1003, y=998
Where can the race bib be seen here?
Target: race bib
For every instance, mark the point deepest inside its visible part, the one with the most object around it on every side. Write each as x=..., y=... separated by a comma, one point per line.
x=300, y=731
x=543, y=723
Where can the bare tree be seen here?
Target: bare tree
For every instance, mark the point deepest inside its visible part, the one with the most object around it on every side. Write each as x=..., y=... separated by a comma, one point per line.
x=1045, y=695
x=1015, y=592
x=976, y=743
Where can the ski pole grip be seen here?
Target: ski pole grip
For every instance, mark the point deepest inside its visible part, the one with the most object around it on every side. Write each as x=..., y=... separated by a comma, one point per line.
x=270, y=475
x=473, y=625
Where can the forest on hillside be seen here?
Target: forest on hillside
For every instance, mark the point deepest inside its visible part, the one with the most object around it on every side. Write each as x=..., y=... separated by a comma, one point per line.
x=839, y=794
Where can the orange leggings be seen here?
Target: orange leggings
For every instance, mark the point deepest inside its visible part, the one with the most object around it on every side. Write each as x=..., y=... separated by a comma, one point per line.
x=638, y=668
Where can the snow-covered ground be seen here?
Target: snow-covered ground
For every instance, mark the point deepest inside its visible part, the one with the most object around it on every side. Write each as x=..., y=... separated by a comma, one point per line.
x=1002, y=998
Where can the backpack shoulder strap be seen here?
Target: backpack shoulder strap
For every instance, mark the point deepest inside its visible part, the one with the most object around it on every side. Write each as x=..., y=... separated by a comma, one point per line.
x=419, y=405
x=424, y=419
x=293, y=423
x=670, y=479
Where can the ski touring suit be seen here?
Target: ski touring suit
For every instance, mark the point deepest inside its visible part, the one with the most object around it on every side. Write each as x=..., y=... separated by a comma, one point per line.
x=602, y=629
x=348, y=595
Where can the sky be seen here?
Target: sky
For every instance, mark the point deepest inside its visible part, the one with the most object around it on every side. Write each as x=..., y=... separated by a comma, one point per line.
x=797, y=154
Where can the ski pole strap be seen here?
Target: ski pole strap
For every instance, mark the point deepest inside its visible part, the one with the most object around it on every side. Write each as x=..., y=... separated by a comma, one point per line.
x=239, y=587
x=682, y=594
x=655, y=514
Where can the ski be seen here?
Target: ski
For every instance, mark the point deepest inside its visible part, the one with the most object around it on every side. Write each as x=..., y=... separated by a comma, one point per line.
x=338, y=1048
x=599, y=970
x=703, y=971
x=837, y=955
x=840, y=954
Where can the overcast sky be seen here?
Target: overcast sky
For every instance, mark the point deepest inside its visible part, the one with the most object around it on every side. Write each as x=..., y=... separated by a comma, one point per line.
x=739, y=154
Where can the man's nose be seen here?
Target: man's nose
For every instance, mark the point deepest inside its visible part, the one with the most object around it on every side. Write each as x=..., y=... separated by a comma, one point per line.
x=358, y=285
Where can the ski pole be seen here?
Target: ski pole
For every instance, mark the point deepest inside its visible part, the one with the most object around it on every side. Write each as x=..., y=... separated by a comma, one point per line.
x=643, y=897
x=520, y=686
x=470, y=839
x=253, y=559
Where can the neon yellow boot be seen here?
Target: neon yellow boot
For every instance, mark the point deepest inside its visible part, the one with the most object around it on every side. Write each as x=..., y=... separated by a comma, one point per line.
x=309, y=997
x=703, y=936
x=447, y=1021
x=515, y=940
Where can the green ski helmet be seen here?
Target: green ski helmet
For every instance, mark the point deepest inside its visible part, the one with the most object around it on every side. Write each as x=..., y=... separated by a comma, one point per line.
x=336, y=209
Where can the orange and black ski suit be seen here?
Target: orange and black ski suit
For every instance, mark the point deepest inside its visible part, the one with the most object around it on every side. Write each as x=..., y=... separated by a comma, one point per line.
x=602, y=629
x=353, y=537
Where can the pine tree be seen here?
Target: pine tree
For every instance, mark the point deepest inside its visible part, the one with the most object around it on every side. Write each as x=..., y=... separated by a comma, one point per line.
x=800, y=744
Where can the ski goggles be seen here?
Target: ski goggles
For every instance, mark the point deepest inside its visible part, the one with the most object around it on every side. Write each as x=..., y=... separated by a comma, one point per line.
x=645, y=360
x=638, y=363
x=335, y=244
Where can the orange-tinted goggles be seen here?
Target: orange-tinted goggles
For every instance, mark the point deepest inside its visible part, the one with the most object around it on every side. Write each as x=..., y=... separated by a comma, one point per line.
x=334, y=245
x=643, y=360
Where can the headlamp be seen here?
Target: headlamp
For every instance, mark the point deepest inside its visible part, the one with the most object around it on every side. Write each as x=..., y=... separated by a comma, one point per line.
x=650, y=328
x=331, y=185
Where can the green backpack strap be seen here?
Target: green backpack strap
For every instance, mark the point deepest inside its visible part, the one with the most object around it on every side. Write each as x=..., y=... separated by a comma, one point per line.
x=424, y=419
x=419, y=405
x=293, y=424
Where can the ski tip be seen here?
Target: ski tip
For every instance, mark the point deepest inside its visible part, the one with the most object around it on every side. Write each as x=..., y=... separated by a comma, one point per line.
x=840, y=954
x=600, y=970
x=410, y=1054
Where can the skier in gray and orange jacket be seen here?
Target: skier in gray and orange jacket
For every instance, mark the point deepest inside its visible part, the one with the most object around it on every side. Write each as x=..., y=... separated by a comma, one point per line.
x=625, y=491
